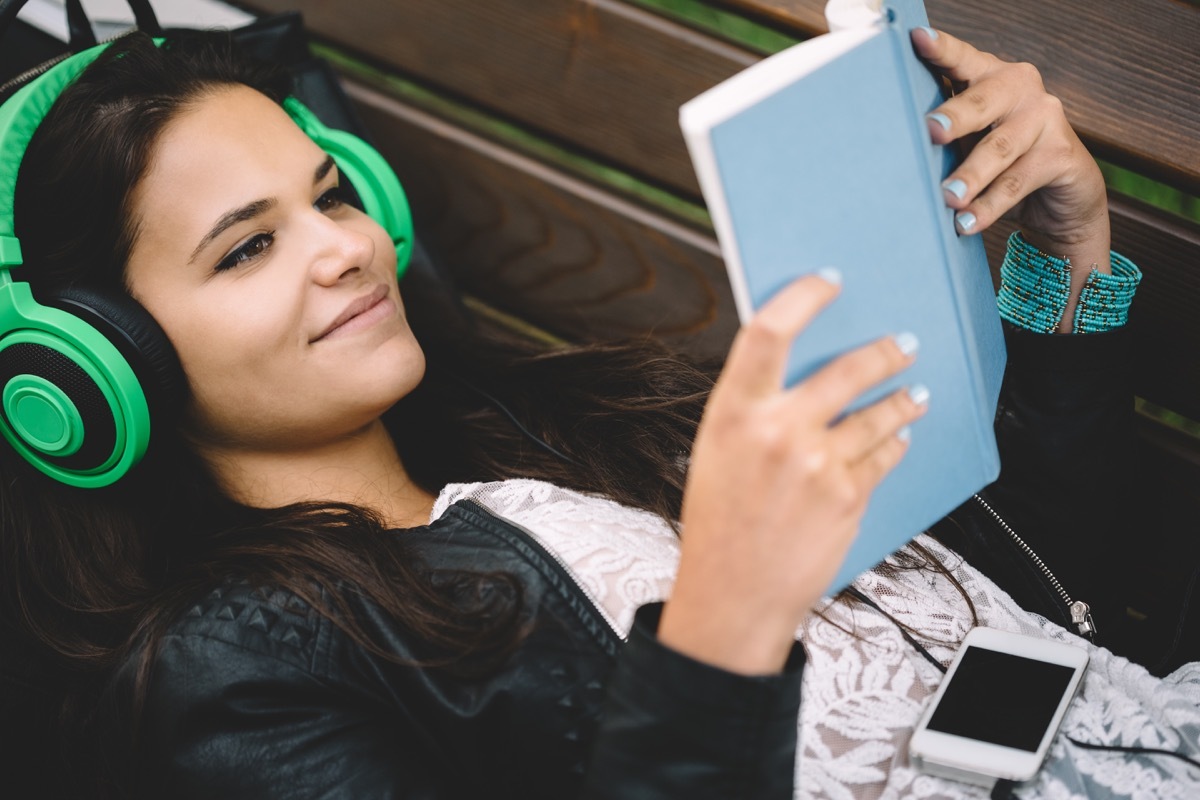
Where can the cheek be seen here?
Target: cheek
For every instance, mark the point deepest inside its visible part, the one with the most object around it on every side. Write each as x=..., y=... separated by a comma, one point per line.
x=252, y=391
x=232, y=352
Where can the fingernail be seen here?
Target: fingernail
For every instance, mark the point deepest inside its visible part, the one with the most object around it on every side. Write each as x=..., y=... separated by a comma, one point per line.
x=940, y=119
x=930, y=32
x=830, y=275
x=907, y=342
x=919, y=394
x=966, y=221
x=956, y=187
x=904, y=434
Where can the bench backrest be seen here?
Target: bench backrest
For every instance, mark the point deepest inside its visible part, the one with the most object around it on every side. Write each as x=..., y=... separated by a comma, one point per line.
x=590, y=91
x=540, y=143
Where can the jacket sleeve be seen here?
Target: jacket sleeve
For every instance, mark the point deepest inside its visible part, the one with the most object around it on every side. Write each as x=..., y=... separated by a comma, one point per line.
x=259, y=718
x=233, y=723
x=1064, y=427
x=677, y=728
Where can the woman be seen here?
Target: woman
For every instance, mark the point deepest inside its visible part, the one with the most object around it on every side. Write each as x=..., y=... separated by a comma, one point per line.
x=344, y=573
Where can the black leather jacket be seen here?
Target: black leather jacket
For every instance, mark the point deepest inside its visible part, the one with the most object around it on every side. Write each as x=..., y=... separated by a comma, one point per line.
x=257, y=696
x=1064, y=426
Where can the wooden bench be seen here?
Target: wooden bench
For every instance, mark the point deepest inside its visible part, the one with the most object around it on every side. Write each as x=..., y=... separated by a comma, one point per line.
x=539, y=144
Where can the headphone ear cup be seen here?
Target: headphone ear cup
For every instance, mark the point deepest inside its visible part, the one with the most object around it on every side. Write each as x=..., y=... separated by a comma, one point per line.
x=139, y=338
x=56, y=408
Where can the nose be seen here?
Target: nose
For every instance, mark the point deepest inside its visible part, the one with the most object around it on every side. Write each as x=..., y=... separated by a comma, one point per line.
x=341, y=250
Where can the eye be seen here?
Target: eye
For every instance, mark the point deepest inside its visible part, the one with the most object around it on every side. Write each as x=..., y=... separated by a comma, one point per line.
x=331, y=200
x=252, y=249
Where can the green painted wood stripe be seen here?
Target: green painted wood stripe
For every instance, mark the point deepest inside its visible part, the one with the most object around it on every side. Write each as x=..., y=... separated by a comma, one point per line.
x=762, y=39
x=1150, y=191
x=1118, y=179
x=513, y=323
x=723, y=24
x=518, y=138
x=1167, y=417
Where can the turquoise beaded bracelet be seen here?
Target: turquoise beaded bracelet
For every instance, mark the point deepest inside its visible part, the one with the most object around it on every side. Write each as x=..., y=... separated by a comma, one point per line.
x=1035, y=287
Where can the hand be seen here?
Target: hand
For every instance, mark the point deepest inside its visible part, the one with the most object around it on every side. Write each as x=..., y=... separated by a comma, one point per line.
x=1029, y=163
x=777, y=486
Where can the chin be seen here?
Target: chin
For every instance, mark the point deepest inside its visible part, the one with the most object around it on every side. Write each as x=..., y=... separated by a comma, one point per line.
x=397, y=377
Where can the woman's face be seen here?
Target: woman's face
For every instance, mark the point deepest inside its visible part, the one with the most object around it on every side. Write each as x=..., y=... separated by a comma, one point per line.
x=281, y=300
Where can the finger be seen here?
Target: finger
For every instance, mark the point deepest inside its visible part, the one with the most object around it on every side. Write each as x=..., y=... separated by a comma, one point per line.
x=995, y=153
x=827, y=392
x=758, y=357
x=876, y=465
x=954, y=58
x=989, y=103
x=862, y=432
x=1010, y=187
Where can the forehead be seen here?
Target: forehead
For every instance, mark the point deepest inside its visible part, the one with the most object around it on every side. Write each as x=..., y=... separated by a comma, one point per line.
x=230, y=146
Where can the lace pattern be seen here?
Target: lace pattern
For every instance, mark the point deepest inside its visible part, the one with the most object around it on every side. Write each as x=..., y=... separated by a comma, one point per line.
x=864, y=686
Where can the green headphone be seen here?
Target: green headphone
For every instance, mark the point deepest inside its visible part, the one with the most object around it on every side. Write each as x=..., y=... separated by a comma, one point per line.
x=83, y=375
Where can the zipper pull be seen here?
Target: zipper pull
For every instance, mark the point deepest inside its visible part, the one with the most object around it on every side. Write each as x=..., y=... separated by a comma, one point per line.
x=1081, y=615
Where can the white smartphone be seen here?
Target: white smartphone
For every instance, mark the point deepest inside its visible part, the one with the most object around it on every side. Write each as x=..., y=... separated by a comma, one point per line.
x=998, y=707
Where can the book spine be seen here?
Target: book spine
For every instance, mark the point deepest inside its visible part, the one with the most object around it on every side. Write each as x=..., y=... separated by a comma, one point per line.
x=966, y=261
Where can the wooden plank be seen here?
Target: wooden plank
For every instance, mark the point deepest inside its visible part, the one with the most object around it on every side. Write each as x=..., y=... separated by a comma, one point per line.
x=602, y=75
x=583, y=263
x=1128, y=73
x=609, y=77
x=568, y=257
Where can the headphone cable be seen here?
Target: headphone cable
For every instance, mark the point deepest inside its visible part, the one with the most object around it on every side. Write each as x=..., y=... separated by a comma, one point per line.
x=503, y=409
x=1183, y=614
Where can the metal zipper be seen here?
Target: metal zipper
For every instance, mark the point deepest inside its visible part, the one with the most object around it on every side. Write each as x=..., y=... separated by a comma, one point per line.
x=12, y=85
x=29, y=74
x=1081, y=612
x=553, y=556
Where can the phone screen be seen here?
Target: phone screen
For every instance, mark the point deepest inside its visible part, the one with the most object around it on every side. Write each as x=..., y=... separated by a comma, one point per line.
x=1001, y=698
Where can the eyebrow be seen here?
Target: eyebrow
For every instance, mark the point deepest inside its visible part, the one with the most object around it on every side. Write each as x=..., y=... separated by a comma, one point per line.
x=252, y=210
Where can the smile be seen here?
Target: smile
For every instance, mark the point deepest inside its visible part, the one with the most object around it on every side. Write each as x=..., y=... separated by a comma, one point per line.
x=361, y=314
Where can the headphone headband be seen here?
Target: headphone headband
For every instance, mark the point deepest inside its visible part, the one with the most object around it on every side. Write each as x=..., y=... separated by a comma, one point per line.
x=20, y=117
x=372, y=177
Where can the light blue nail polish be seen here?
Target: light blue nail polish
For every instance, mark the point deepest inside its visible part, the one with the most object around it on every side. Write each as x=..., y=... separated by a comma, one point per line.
x=904, y=434
x=966, y=221
x=831, y=275
x=940, y=119
x=907, y=342
x=956, y=187
x=930, y=32
x=919, y=394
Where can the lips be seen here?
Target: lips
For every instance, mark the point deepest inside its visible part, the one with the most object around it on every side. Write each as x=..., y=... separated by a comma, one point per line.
x=355, y=309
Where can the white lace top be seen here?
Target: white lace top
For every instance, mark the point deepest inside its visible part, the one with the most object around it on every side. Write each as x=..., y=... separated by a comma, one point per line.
x=863, y=694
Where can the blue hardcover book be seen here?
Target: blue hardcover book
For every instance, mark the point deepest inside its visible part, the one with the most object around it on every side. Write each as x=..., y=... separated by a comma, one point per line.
x=820, y=156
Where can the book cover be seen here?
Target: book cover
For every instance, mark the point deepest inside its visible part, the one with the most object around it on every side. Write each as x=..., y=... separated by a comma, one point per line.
x=820, y=156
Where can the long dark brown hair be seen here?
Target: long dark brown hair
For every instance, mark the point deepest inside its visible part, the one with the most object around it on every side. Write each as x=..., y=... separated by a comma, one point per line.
x=96, y=576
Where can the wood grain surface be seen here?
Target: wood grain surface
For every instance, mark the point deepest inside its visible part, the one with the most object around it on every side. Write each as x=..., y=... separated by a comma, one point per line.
x=609, y=76
x=1127, y=71
x=572, y=259
x=584, y=263
x=606, y=78
x=603, y=75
